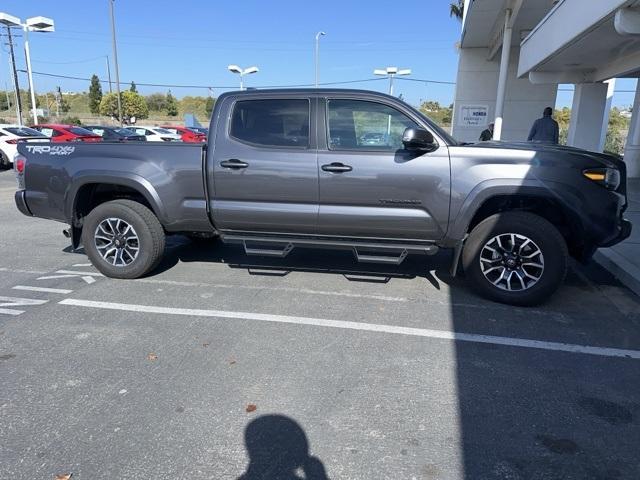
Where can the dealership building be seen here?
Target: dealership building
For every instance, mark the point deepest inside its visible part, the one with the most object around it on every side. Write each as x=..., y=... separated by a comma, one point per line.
x=515, y=53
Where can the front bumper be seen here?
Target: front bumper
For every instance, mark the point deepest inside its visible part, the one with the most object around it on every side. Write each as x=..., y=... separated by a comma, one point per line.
x=624, y=231
x=21, y=203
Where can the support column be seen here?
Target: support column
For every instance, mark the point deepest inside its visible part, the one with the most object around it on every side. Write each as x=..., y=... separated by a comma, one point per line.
x=588, y=116
x=632, y=149
x=502, y=76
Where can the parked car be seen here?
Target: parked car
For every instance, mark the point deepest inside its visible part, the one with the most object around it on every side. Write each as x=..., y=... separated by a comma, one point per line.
x=272, y=179
x=66, y=133
x=203, y=130
x=187, y=134
x=156, y=134
x=10, y=135
x=115, y=134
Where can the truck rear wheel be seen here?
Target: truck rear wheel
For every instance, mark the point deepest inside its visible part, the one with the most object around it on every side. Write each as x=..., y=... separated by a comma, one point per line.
x=123, y=239
x=516, y=258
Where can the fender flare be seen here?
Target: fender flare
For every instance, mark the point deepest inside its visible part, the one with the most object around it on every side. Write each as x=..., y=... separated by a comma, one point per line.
x=130, y=180
x=487, y=189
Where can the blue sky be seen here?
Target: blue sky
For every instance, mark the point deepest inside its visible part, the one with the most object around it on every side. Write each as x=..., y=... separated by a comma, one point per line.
x=192, y=42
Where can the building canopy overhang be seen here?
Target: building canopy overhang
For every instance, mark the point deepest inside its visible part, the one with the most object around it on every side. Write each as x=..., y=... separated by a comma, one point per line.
x=561, y=41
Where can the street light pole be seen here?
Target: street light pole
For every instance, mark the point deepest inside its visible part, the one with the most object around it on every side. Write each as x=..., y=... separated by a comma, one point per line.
x=391, y=72
x=115, y=59
x=317, y=55
x=27, y=54
x=106, y=57
x=16, y=85
x=242, y=72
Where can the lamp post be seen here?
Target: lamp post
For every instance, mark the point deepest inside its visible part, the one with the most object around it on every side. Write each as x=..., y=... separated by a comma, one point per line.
x=33, y=24
x=391, y=72
x=317, y=55
x=242, y=72
x=115, y=60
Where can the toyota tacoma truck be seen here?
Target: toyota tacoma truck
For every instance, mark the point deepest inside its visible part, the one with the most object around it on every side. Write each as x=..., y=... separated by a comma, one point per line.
x=331, y=168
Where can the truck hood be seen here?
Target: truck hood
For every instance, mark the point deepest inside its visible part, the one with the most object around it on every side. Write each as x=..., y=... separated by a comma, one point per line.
x=605, y=159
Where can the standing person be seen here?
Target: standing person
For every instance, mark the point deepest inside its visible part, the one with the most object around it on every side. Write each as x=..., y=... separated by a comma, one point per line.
x=487, y=133
x=545, y=129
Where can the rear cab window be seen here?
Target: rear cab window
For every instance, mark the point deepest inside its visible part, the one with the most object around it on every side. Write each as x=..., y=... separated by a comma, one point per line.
x=271, y=122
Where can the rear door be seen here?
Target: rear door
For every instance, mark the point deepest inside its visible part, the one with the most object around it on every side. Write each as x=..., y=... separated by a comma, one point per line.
x=264, y=165
x=369, y=185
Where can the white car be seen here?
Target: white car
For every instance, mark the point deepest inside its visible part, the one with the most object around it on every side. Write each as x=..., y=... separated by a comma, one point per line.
x=156, y=134
x=9, y=137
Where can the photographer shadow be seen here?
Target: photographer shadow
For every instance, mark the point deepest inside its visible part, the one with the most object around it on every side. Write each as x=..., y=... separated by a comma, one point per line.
x=278, y=449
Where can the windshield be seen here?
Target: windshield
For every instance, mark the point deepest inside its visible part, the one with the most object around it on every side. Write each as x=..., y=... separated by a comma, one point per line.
x=80, y=131
x=23, y=132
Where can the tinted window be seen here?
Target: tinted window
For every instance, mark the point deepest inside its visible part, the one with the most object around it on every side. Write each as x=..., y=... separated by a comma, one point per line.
x=357, y=124
x=276, y=123
x=24, y=132
x=80, y=131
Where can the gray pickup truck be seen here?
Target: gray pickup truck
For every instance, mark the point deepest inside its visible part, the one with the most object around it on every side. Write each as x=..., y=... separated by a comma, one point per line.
x=328, y=168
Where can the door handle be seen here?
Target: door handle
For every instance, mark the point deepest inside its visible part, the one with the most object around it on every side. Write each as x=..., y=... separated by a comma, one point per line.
x=336, y=167
x=233, y=163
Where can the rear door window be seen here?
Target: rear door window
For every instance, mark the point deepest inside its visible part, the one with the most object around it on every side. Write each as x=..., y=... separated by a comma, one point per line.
x=272, y=123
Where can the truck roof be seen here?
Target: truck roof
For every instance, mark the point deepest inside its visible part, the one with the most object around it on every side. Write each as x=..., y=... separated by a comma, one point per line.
x=306, y=91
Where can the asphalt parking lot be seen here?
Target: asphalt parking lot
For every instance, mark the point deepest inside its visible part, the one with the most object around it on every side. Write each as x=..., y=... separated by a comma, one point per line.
x=220, y=365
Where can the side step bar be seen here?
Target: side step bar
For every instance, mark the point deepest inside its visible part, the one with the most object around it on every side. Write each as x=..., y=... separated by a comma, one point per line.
x=364, y=251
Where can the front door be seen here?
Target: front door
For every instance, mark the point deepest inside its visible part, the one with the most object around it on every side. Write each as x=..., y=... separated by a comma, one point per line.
x=265, y=173
x=369, y=185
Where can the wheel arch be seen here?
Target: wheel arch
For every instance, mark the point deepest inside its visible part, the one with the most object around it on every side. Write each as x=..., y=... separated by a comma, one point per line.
x=92, y=190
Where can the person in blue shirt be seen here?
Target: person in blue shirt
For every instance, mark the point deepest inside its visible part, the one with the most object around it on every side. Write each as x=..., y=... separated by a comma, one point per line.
x=545, y=129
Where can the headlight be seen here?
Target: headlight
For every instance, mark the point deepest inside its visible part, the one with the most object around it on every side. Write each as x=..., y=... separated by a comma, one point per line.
x=607, y=177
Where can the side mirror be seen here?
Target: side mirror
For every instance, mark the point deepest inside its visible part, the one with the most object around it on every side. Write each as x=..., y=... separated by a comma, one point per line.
x=418, y=139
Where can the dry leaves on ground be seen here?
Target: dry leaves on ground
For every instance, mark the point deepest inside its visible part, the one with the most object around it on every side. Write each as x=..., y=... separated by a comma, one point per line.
x=63, y=476
x=251, y=408
x=152, y=357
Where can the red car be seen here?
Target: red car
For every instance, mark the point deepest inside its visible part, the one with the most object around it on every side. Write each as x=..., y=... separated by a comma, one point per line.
x=67, y=133
x=186, y=133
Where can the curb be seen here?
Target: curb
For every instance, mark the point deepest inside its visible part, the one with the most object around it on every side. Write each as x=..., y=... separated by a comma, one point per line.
x=619, y=267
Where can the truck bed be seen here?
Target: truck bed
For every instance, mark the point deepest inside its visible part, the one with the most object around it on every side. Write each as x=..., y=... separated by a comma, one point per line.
x=168, y=175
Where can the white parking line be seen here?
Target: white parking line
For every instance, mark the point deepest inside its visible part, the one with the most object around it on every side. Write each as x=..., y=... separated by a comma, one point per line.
x=17, y=302
x=71, y=272
x=371, y=327
x=41, y=289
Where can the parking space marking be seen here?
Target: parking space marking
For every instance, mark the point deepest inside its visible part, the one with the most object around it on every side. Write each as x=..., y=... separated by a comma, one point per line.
x=72, y=272
x=51, y=277
x=371, y=327
x=82, y=265
x=41, y=289
x=17, y=302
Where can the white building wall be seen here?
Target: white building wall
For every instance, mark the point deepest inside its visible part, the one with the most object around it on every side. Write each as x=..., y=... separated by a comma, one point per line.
x=477, y=85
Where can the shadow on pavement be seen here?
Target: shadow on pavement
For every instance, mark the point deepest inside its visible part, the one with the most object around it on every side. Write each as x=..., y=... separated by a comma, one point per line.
x=279, y=450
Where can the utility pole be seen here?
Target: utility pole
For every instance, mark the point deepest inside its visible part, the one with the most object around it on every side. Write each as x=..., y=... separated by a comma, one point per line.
x=115, y=59
x=16, y=85
x=106, y=57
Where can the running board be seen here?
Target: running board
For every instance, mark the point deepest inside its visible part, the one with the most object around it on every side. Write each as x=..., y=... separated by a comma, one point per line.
x=365, y=251
x=268, y=252
x=377, y=257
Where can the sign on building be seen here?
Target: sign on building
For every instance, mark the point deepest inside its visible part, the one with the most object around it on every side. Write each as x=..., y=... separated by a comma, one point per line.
x=473, y=115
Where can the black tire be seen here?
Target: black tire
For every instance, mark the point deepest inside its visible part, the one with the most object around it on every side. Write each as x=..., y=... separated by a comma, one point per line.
x=5, y=163
x=151, y=238
x=542, y=233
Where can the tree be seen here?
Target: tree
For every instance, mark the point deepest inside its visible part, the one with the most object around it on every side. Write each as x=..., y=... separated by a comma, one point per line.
x=157, y=102
x=95, y=94
x=133, y=88
x=430, y=106
x=209, y=106
x=171, y=105
x=457, y=9
x=133, y=105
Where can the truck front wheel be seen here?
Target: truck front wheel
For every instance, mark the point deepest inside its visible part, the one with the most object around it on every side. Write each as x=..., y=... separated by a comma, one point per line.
x=517, y=258
x=123, y=239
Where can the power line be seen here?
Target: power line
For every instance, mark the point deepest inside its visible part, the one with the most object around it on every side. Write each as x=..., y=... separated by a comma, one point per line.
x=166, y=85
